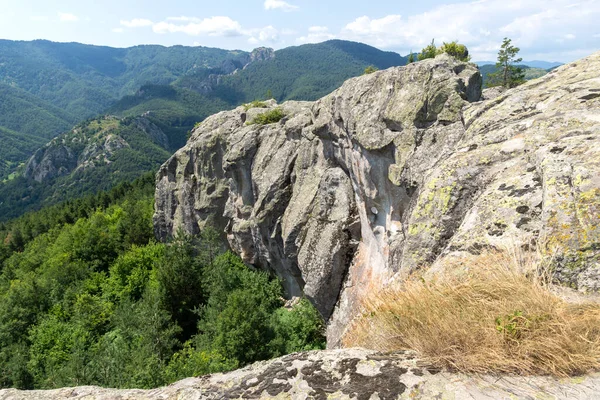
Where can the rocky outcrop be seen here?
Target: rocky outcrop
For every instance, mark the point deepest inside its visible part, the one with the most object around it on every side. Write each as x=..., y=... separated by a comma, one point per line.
x=86, y=146
x=394, y=171
x=228, y=67
x=51, y=161
x=260, y=54
x=340, y=374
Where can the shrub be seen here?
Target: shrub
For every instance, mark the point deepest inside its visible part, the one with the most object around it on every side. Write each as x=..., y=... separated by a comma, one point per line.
x=428, y=52
x=492, y=318
x=255, y=104
x=370, y=69
x=269, y=117
x=456, y=50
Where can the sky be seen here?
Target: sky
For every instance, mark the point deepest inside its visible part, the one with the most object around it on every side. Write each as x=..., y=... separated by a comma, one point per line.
x=550, y=30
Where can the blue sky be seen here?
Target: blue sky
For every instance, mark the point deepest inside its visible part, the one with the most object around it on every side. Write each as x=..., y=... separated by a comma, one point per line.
x=552, y=30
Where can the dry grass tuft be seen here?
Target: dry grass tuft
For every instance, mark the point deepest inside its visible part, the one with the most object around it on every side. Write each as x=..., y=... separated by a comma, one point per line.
x=492, y=318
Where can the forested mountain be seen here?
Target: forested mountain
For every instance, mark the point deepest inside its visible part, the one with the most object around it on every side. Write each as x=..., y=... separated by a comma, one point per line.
x=95, y=155
x=26, y=123
x=305, y=72
x=47, y=87
x=23, y=112
x=15, y=148
x=531, y=64
x=175, y=110
x=84, y=80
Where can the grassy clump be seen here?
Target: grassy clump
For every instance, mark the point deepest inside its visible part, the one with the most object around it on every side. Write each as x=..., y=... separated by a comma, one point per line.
x=255, y=104
x=492, y=318
x=269, y=117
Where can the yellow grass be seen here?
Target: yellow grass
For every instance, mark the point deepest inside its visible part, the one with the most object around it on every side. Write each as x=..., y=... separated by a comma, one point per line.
x=491, y=318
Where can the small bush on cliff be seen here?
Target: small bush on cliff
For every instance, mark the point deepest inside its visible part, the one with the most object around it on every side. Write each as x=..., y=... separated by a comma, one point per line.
x=269, y=117
x=455, y=49
x=490, y=319
x=428, y=52
x=370, y=69
x=255, y=104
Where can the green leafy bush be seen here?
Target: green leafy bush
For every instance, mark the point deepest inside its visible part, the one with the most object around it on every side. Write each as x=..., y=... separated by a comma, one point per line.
x=428, y=52
x=456, y=50
x=255, y=104
x=269, y=117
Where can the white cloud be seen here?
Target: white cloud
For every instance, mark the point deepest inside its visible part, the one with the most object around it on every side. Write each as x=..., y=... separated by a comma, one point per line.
x=213, y=26
x=279, y=5
x=570, y=36
x=267, y=34
x=534, y=26
x=220, y=26
x=66, y=17
x=136, y=23
x=39, y=18
x=316, y=34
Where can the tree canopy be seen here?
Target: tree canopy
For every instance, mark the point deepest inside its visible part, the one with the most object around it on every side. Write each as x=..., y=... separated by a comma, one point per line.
x=88, y=297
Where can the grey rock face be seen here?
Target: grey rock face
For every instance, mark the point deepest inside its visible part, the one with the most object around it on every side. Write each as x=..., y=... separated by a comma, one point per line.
x=394, y=171
x=339, y=374
x=231, y=67
x=50, y=162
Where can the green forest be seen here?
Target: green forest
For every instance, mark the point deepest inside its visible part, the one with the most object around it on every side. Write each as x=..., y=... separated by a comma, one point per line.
x=88, y=297
x=306, y=72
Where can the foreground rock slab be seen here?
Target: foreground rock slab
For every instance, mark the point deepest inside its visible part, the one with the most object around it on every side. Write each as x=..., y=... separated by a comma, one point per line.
x=340, y=374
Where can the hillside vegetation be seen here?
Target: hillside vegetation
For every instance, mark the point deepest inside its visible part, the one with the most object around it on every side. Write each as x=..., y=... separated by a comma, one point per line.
x=87, y=297
x=95, y=155
x=305, y=72
x=15, y=148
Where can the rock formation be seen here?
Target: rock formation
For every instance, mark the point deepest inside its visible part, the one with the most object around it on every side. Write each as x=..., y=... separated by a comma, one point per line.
x=339, y=374
x=86, y=146
x=394, y=171
x=229, y=67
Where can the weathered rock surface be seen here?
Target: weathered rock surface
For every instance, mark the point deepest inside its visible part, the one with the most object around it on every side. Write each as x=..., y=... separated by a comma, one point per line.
x=340, y=374
x=394, y=171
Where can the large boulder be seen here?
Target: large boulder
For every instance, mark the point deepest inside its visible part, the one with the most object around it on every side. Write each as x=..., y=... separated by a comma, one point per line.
x=355, y=374
x=394, y=171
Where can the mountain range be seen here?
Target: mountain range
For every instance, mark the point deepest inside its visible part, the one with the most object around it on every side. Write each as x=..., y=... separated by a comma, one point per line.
x=531, y=64
x=46, y=88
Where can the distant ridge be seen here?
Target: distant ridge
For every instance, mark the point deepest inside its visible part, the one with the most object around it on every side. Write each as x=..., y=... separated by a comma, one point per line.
x=531, y=64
